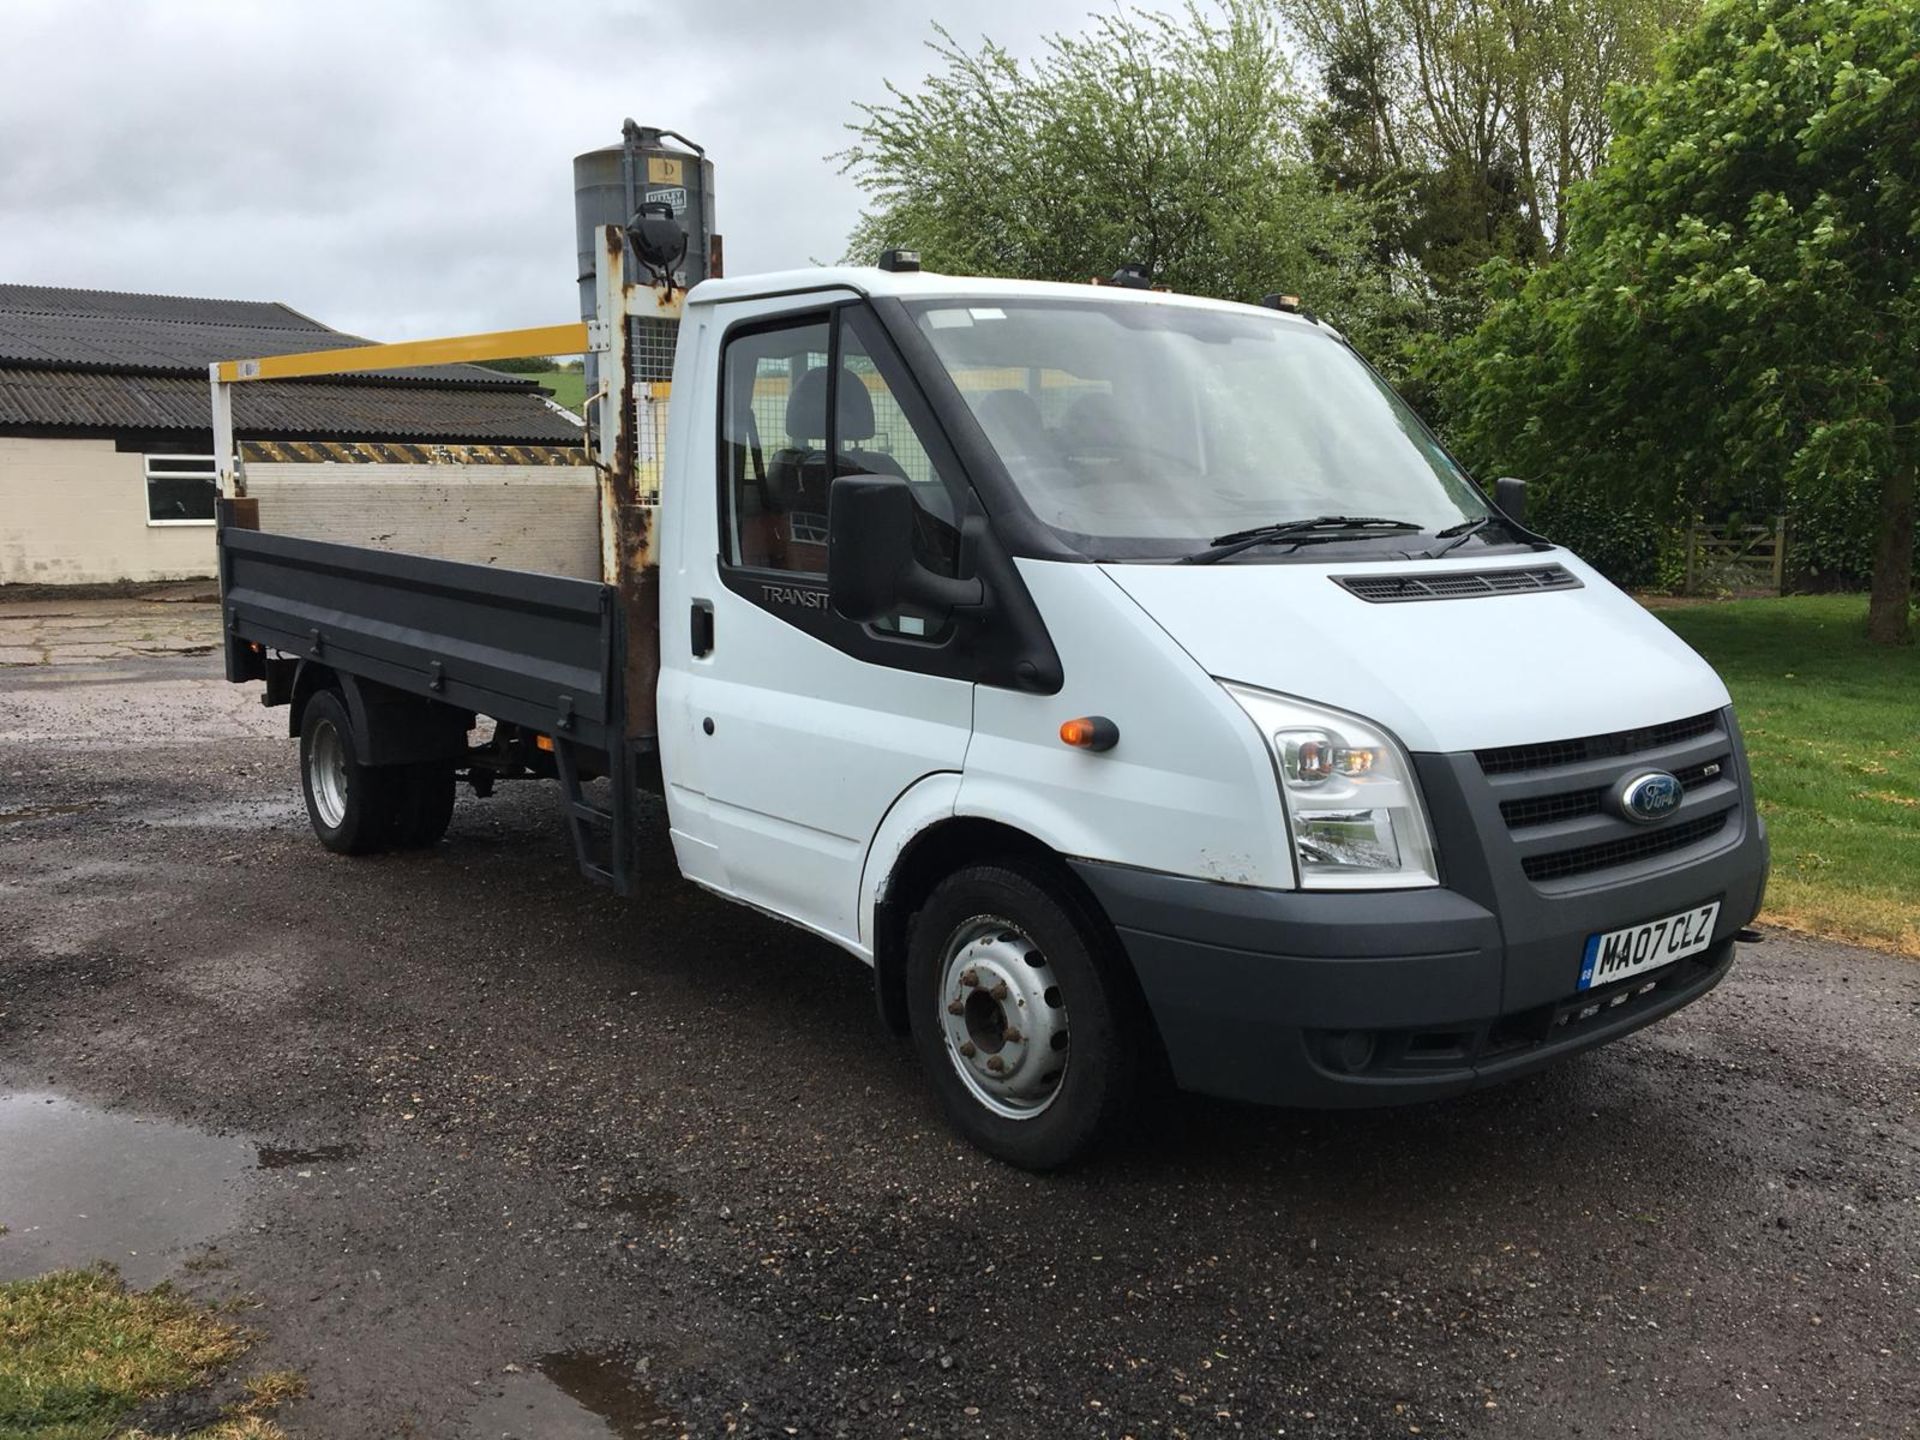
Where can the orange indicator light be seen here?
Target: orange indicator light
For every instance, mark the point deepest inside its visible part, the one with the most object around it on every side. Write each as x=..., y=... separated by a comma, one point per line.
x=1090, y=732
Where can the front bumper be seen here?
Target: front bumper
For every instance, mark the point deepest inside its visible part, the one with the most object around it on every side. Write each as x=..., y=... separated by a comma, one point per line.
x=1379, y=998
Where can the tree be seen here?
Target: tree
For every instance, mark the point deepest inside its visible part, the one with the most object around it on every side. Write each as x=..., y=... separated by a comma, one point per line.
x=1172, y=142
x=1739, y=308
x=1467, y=121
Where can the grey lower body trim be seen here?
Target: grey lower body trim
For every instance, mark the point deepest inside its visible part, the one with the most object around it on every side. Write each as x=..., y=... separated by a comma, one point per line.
x=1375, y=998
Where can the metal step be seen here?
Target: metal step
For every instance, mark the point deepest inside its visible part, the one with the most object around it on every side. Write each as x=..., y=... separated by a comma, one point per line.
x=586, y=820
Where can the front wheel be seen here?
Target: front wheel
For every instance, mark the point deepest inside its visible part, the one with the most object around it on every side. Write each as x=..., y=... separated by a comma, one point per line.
x=351, y=806
x=1021, y=1015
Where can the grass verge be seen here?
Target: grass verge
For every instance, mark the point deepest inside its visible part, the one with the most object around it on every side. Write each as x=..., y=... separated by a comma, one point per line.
x=1832, y=726
x=567, y=387
x=79, y=1353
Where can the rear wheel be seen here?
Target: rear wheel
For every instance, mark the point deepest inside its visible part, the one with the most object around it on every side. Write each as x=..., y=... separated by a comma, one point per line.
x=350, y=805
x=1021, y=1015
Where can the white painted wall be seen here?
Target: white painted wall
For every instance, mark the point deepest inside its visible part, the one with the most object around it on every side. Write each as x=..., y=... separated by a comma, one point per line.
x=75, y=512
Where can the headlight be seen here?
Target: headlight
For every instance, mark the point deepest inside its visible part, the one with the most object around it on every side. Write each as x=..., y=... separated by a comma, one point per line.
x=1351, y=799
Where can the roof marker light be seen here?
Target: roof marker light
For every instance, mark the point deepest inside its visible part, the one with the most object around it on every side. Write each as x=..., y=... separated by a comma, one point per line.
x=1290, y=304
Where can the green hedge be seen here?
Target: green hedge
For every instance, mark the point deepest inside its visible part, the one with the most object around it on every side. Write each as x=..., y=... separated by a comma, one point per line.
x=1625, y=542
x=1830, y=537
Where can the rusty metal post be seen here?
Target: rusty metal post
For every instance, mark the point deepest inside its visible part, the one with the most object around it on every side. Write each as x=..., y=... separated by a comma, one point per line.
x=611, y=408
x=627, y=559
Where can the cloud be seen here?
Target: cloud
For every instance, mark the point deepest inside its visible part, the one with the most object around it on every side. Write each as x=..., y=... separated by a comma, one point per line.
x=403, y=167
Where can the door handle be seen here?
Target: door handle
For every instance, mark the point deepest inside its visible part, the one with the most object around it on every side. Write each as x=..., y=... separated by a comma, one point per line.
x=702, y=627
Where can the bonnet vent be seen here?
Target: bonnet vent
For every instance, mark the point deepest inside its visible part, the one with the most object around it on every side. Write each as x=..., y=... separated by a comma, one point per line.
x=1458, y=584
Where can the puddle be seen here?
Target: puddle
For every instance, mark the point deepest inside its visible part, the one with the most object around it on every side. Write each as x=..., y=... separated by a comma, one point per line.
x=605, y=1384
x=276, y=1157
x=46, y=812
x=572, y=1395
x=79, y=1185
x=647, y=1205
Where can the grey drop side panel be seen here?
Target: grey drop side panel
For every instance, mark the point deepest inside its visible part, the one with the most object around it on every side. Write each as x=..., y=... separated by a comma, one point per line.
x=537, y=650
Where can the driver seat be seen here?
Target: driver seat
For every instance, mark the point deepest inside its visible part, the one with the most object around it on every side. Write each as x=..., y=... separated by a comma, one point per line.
x=799, y=476
x=1093, y=425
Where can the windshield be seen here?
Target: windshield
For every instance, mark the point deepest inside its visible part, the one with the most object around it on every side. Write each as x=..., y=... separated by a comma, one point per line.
x=1144, y=431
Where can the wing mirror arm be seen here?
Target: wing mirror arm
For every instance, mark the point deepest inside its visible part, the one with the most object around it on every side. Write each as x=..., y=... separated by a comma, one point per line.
x=923, y=585
x=871, y=567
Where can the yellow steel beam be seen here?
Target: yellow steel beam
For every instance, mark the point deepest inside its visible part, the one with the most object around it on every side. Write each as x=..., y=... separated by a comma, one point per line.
x=456, y=349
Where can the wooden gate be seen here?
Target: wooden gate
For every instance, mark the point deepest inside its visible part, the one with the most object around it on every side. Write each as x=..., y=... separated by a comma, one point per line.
x=1738, y=558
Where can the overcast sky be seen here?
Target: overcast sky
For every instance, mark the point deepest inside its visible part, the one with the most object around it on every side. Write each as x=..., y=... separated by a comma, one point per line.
x=400, y=168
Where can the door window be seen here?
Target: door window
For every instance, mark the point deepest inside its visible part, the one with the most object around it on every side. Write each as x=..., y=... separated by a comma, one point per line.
x=773, y=445
x=782, y=447
x=874, y=437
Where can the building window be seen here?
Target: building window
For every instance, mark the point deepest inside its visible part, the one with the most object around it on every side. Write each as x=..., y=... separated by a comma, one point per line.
x=181, y=489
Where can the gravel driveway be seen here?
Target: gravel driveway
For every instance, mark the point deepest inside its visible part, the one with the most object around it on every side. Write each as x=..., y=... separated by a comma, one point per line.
x=495, y=1153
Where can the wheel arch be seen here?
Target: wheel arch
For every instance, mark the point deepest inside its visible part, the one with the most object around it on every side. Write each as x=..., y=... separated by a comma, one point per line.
x=390, y=727
x=932, y=853
x=309, y=677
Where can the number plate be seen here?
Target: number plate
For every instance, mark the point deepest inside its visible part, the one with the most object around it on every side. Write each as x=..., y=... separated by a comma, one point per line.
x=1617, y=954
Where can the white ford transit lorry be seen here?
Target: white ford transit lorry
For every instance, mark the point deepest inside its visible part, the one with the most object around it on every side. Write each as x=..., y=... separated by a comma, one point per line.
x=1130, y=679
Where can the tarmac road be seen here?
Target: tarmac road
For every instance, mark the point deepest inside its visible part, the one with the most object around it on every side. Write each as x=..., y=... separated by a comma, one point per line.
x=496, y=1153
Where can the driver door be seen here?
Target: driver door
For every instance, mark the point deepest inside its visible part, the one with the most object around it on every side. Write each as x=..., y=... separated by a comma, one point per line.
x=804, y=727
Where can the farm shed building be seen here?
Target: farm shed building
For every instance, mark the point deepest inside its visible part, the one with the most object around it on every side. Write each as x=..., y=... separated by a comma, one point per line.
x=106, y=447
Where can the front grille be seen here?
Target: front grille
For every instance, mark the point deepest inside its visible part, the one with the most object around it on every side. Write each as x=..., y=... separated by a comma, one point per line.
x=1574, y=804
x=1554, y=796
x=1585, y=859
x=1457, y=584
x=1509, y=758
x=1545, y=809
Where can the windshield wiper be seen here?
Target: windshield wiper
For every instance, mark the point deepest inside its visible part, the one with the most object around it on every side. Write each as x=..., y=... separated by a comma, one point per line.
x=1458, y=535
x=1327, y=526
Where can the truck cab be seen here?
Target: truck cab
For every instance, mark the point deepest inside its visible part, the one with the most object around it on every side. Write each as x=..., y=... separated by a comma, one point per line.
x=1334, y=816
x=1136, y=684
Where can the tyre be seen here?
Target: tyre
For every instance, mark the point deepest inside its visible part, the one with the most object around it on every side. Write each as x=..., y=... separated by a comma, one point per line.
x=350, y=805
x=423, y=805
x=1022, y=1015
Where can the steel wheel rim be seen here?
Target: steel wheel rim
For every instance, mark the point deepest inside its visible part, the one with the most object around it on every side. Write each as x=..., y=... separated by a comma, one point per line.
x=327, y=774
x=1003, y=1018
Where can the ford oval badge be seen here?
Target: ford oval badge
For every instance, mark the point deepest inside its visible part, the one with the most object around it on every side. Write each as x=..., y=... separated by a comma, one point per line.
x=1648, y=797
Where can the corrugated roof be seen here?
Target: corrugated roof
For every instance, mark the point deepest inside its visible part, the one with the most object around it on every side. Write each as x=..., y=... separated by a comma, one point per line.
x=63, y=300
x=46, y=326
x=342, y=410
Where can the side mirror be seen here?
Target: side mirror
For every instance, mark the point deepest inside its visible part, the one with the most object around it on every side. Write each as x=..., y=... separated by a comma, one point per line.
x=1510, y=498
x=871, y=567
